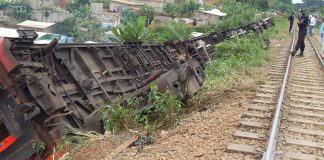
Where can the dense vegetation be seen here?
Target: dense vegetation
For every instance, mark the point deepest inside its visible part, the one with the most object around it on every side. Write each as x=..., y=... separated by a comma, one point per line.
x=21, y=9
x=167, y=31
x=83, y=18
x=238, y=14
x=186, y=8
x=148, y=12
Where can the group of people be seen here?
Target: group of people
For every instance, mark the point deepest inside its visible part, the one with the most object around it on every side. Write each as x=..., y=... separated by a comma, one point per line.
x=305, y=25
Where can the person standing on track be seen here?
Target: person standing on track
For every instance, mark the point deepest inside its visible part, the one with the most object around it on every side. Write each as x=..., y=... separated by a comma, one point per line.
x=322, y=36
x=291, y=19
x=302, y=25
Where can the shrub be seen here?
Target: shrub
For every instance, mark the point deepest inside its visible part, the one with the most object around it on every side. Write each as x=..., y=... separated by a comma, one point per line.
x=167, y=31
x=238, y=14
x=113, y=119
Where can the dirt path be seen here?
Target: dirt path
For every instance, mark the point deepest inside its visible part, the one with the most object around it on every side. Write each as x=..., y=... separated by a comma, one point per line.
x=201, y=134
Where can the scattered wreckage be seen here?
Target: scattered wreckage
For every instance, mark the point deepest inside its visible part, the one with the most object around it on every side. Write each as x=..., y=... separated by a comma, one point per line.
x=43, y=87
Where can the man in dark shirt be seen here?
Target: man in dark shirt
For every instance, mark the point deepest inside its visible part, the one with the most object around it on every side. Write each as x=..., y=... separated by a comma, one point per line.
x=302, y=25
x=291, y=21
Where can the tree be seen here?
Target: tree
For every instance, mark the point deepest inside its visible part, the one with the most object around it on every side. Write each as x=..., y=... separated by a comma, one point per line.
x=23, y=11
x=65, y=27
x=148, y=12
x=83, y=18
x=128, y=14
x=131, y=30
x=188, y=7
x=82, y=2
x=4, y=4
x=185, y=8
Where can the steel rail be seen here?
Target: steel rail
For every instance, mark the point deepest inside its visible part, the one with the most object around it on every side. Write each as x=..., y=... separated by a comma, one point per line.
x=317, y=52
x=268, y=155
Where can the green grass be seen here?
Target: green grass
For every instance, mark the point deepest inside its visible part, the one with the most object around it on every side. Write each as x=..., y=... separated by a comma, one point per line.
x=238, y=54
x=234, y=54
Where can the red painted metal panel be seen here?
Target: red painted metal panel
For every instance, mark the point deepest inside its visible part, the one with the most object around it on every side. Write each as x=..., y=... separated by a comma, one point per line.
x=6, y=59
x=7, y=142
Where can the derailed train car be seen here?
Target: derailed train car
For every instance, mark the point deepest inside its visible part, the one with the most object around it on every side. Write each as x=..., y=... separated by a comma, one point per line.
x=44, y=87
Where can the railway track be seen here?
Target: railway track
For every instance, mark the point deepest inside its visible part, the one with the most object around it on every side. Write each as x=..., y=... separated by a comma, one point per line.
x=286, y=119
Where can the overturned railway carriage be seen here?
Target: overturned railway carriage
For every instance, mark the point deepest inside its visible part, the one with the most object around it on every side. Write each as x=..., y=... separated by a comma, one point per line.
x=43, y=87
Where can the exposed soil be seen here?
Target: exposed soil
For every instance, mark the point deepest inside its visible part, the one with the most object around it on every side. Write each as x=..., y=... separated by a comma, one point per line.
x=201, y=134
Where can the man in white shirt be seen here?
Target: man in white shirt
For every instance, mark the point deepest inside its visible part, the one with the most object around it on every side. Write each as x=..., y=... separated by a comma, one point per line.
x=311, y=24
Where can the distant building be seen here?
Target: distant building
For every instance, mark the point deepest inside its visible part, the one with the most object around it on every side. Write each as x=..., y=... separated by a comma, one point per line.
x=38, y=4
x=208, y=17
x=36, y=25
x=156, y=4
x=97, y=8
x=121, y=5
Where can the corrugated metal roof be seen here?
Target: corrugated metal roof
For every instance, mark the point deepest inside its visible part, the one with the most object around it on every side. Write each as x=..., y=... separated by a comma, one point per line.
x=35, y=24
x=215, y=12
x=127, y=2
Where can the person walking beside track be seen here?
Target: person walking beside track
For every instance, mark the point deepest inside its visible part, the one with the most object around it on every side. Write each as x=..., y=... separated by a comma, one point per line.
x=291, y=19
x=322, y=36
x=318, y=21
x=311, y=24
x=302, y=25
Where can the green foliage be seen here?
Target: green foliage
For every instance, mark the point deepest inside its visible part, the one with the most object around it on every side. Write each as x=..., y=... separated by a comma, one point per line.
x=131, y=30
x=63, y=142
x=128, y=14
x=162, y=109
x=82, y=2
x=238, y=14
x=23, y=11
x=65, y=27
x=133, y=102
x=39, y=146
x=75, y=5
x=167, y=31
x=167, y=106
x=186, y=8
x=259, y=4
x=71, y=6
x=170, y=9
x=4, y=4
x=113, y=119
x=148, y=12
x=82, y=18
x=282, y=6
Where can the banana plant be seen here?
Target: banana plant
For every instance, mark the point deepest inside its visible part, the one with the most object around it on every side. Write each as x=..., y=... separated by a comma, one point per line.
x=131, y=30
